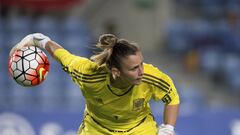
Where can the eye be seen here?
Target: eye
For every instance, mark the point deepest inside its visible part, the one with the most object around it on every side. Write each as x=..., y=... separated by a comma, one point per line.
x=137, y=67
x=134, y=68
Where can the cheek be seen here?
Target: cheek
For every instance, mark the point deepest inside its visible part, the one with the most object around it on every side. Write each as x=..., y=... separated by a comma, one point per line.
x=131, y=75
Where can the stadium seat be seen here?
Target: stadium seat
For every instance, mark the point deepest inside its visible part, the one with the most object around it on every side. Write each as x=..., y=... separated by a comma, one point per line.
x=45, y=23
x=210, y=60
x=77, y=44
x=19, y=24
x=231, y=65
x=177, y=36
x=74, y=25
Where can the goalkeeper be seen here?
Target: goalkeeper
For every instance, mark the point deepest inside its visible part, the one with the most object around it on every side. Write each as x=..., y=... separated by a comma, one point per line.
x=117, y=86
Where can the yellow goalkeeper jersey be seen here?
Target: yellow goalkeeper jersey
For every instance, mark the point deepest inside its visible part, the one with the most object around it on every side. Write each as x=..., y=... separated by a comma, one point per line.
x=112, y=107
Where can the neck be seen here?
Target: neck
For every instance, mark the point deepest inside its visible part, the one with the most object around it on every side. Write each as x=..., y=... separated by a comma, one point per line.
x=119, y=83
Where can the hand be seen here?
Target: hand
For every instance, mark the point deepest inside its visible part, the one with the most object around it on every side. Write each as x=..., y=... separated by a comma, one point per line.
x=166, y=130
x=36, y=39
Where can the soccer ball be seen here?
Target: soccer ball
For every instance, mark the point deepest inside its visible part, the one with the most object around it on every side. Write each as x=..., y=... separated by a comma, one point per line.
x=28, y=66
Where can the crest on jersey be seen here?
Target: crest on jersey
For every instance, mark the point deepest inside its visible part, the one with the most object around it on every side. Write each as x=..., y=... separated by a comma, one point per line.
x=138, y=104
x=166, y=99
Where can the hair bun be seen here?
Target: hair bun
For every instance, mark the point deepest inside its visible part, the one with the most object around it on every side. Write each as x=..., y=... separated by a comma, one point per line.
x=107, y=40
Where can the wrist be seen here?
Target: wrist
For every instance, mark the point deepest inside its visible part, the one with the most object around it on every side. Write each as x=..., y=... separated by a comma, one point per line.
x=170, y=127
x=166, y=129
x=43, y=43
x=40, y=40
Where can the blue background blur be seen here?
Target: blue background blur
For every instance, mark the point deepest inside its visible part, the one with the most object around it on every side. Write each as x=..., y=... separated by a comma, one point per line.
x=197, y=43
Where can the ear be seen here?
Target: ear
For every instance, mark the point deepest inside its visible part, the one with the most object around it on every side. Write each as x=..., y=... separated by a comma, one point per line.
x=115, y=72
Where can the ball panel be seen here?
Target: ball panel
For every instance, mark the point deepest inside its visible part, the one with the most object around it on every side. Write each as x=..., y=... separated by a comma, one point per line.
x=21, y=78
x=17, y=73
x=31, y=72
x=30, y=57
x=40, y=59
x=18, y=53
x=27, y=83
x=27, y=52
x=30, y=77
x=34, y=64
x=35, y=81
x=13, y=66
x=19, y=65
x=26, y=64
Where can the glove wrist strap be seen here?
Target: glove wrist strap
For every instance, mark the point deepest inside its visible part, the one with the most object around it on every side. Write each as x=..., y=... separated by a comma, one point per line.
x=42, y=43
x=170, y=127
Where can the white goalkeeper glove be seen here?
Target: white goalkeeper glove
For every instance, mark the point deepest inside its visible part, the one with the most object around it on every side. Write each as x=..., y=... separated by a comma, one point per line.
x=166, y=129
x=35, y=39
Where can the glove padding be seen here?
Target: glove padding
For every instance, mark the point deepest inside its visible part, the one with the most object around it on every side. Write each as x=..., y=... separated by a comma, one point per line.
x=166, y=130
x=35, y=39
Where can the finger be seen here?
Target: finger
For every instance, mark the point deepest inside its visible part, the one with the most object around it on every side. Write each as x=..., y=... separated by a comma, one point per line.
x=12, y=51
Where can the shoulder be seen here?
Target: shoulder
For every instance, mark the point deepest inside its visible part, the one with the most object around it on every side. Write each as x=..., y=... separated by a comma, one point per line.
x=91, y=78
x=154, y=74
x=152, y=70
x=90, y=68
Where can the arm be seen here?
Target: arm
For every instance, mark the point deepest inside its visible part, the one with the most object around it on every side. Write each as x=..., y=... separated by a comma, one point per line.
x=169, y=120
x=170, y=114
x=51, y=46
x=39, y=40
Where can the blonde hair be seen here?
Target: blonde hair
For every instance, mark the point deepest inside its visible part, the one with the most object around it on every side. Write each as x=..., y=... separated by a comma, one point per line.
x=113, y=50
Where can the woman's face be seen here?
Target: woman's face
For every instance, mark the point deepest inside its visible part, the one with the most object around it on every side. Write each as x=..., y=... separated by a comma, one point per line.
x=132, y=69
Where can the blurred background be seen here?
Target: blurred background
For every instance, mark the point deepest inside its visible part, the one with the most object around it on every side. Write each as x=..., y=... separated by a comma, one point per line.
x=197, y=43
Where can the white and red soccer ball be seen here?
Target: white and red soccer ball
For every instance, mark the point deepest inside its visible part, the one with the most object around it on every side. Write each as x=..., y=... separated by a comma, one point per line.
x=28, y=66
